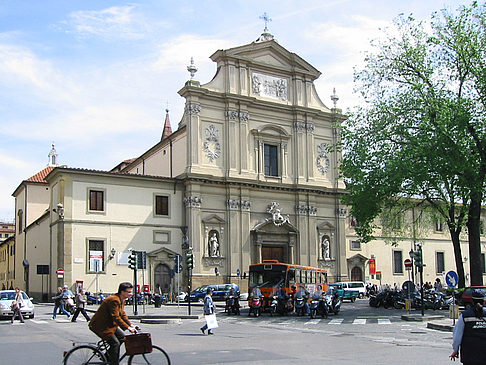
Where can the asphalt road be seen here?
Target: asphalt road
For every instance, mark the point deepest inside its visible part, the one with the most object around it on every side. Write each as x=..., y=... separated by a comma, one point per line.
x=358, y=335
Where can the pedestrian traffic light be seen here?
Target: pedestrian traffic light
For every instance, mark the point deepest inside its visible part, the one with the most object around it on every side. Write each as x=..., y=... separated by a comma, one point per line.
x=189, y=260
x=133, y=260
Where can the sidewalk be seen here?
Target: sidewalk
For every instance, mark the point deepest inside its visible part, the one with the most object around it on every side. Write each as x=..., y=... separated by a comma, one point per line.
x=169, y=311
x=437, y=322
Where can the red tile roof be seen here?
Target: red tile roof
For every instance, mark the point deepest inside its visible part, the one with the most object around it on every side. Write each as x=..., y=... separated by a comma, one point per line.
x=40, y=176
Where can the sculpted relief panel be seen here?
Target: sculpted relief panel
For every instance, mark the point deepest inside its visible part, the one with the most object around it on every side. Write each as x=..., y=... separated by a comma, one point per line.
x=269, y=86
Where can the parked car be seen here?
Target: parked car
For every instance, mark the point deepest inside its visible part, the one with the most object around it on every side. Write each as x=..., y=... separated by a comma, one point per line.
x=354, y=285
x=6, y=299
x=219, y=292
x=181, y=297
x=345, y=294
x=466, y=299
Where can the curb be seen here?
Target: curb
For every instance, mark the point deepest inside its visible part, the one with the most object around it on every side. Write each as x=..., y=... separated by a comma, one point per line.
x=167, y=316
x=440, y=327
x=419, y=318
x=161, y=321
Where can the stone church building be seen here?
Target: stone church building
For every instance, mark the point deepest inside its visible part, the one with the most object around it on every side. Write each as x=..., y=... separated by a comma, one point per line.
x=249, y=175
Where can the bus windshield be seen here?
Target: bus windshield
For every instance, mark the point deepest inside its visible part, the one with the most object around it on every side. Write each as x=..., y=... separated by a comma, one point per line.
x=267, y=278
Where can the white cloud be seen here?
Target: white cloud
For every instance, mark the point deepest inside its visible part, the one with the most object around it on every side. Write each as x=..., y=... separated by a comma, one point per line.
x=115, y=22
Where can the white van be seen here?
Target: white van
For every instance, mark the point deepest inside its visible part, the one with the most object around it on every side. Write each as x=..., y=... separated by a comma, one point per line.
x=355, y=285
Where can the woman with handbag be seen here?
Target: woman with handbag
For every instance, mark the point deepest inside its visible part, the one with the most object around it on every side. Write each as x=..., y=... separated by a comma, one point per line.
x=209, y=311
x=16, y=305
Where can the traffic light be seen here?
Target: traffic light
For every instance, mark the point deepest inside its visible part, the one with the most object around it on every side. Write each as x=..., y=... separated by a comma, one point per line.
x=417, y=258
x=141, y=260
x=189, y=260
x=133, y=260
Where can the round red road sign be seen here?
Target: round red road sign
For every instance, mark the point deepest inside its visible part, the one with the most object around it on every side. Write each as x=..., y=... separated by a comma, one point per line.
x=407, y=263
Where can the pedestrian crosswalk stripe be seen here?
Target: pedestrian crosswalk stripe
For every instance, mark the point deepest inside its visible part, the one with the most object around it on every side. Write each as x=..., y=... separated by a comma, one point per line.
x=336, y=321
x=359, y=321
x=37, y=321
x=383, y=321
x=313, y=321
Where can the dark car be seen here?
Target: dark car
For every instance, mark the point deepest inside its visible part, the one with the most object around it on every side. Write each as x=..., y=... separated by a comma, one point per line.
x=219, y=292
x=466, y=298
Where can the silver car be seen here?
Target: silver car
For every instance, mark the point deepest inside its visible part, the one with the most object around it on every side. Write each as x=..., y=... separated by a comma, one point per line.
x=6, y=299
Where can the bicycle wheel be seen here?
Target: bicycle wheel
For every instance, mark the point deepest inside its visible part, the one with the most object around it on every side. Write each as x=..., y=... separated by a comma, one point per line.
x=157, y=357
x=84, y=354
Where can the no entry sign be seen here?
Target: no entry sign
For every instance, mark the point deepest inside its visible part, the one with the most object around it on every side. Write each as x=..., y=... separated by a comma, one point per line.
x=60, y=273
x=408, y=264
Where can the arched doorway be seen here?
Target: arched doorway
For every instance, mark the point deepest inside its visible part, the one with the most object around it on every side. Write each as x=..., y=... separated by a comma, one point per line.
x=162, y=278
x=356, y=274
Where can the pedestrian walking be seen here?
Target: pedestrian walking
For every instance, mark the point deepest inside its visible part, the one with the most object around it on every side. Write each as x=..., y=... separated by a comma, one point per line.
x=59, y=304
x=80, y=306
x=17, y=303
x=470, y=333
x=208, y=310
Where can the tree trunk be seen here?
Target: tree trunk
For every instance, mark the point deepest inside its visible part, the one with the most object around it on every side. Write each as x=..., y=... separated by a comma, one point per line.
x=456, y=243
x=474, y=227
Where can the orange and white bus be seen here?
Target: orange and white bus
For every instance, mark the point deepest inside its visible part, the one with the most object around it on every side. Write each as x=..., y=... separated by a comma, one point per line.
x=270, y=274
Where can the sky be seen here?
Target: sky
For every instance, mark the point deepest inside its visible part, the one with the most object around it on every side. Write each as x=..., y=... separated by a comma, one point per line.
x=95, y=76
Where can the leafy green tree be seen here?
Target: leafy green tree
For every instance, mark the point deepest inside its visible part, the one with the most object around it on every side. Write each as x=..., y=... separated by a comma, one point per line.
x=421, y=133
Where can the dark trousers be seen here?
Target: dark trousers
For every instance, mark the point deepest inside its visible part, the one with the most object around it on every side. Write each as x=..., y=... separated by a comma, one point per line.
x=114, y=350
x=82, y=311
x=19, y=313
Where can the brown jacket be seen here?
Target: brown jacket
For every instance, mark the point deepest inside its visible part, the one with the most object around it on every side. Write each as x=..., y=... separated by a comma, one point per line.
x=109, y=316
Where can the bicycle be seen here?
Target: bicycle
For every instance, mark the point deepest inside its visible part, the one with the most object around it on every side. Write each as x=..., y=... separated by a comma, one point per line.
x=90, y=354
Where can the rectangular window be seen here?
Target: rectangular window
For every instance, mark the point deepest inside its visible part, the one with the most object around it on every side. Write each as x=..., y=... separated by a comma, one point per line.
x=483, y=267
x=355, y=245
x=438, y=225
x=96, y=255
x=161, y=205
x=96, y=200
x=439, y=262
x=397, y=262
x=12, y=250
x=271, y=160
x=20, y=215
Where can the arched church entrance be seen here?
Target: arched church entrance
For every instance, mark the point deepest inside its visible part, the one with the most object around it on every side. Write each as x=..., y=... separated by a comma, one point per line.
x=356, y=274
x=162, y=278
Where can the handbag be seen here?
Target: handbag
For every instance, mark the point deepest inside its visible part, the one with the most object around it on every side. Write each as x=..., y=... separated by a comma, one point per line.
x=138, y=343
x=15, y=305
x=211, y=321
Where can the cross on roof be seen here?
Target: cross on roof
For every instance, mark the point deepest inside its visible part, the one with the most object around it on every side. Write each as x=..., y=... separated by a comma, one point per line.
x=266, y=19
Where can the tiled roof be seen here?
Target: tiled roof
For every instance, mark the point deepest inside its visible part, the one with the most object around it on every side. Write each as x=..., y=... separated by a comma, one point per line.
x=40, y=176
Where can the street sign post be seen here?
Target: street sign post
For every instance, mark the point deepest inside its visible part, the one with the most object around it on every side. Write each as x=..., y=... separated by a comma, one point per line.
x=452, y=279
x=408, y=264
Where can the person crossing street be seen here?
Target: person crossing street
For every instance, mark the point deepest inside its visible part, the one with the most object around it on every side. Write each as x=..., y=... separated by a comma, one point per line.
x=80, y=306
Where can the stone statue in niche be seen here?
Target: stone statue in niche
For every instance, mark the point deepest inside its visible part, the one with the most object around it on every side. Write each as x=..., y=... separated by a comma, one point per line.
x=325, y=247
x=213, y=244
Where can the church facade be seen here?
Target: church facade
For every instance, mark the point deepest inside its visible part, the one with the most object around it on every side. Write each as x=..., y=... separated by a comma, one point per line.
x=260, y=173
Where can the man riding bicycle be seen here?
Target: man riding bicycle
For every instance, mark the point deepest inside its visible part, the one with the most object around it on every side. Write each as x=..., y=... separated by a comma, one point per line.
x=110, y=317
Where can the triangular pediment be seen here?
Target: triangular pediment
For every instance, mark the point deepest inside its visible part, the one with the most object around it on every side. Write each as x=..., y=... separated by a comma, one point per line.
x=268, y=54
x=213, y=218
x=358, y=258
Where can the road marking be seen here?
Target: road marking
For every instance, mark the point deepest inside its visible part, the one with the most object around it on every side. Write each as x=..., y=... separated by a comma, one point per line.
x=359, y=321
x=383, y=321
x=337, y=321
x=313, y=321
x=37, y=321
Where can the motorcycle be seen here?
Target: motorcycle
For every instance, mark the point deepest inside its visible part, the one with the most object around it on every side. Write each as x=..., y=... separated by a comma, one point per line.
x=255, y=306
x=333, y=301
x=319, y=306
x=232, y=305
x=273, y=306
x=300, y=306
x=93, y=299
